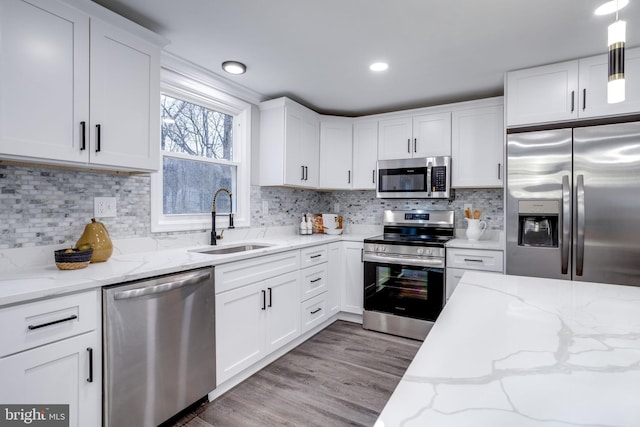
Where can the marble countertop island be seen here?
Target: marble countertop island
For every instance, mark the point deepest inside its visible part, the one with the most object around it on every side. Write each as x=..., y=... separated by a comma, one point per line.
x=520, y=351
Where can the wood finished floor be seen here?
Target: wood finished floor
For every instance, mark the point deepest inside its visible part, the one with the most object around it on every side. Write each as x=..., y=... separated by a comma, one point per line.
x=343, y=376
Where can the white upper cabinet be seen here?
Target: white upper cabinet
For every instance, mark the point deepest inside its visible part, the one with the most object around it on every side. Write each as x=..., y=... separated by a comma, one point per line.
x=58, y=65
x=542, y=94
x=593, y=86
x=44, y=80
x=418, y=136
x=477, y=146
x=336, y=165
x=365, y=154
x=569, y=90
x=289, y=144
x=125, y=99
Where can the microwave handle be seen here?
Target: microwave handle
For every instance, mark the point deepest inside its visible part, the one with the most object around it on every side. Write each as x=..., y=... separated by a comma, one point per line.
x=429, y=167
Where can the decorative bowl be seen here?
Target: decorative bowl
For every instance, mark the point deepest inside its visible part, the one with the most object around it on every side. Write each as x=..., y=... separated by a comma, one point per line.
x=72, y=260
x=333, y=230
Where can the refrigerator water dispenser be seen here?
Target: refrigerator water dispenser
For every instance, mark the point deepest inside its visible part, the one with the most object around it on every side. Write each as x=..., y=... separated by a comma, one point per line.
x=538, y=223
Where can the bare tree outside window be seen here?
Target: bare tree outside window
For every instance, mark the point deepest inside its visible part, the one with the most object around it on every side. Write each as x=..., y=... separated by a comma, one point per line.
x=206, y=137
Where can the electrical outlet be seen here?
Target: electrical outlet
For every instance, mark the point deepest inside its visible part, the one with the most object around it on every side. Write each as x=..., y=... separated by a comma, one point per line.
x=468, y=206
x=336, y=208
x=265, y=207
x=104, y=207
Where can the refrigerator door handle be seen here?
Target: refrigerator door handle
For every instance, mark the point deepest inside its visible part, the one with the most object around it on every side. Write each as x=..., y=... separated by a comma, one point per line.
x=580, y=225
x=566, y=224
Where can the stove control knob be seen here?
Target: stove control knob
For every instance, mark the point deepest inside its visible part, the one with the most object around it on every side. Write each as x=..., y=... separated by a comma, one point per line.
x=420, y=251
x=383, y=248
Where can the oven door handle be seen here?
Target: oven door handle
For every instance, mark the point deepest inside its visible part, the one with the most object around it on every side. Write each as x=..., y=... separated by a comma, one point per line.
x=385, y=259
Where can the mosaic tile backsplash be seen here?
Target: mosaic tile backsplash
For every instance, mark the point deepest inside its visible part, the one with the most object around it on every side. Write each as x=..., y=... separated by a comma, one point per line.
x=42, y=206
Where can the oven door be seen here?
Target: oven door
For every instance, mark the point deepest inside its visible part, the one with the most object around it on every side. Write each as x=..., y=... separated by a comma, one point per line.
x=404, y=287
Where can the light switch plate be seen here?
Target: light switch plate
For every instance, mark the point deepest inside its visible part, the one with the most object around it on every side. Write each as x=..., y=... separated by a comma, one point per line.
x=104, y=207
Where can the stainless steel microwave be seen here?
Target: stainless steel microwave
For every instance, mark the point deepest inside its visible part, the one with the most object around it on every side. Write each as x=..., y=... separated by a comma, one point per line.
x=421, y=178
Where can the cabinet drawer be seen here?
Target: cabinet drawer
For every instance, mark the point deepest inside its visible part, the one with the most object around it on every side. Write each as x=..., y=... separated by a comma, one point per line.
x=313, y=255
x=475, y=259
x=41, y=322
x=313, y=312
x=313, y=281
x=241, y=273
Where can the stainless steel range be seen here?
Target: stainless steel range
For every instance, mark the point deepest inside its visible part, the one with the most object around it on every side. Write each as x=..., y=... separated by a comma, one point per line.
x=404, y=272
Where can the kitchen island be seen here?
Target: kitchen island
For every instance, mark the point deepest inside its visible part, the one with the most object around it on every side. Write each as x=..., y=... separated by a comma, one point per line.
x=522, y=351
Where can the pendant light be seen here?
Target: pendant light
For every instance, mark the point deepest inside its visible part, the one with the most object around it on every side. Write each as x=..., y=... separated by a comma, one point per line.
x=617, y=38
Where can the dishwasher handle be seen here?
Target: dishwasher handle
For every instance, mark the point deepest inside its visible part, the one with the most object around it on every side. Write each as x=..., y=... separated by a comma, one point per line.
x=192, y=279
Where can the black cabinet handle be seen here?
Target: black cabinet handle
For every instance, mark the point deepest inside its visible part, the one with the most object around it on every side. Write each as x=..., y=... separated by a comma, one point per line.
x=362, y=255
x=373, y=176
x=306, y=173
x=270, y=292
x=42, y=325
x=316, y=311
x=315, y=280
x=499, y=171
x=98, y=138
x=302, y=178
x=349, y=178
x=90, y=379
x=409, y=145
x=415, y=145
x=573, y=96
x=472, y=260
x=315, y=256
x=584, y=99
x=83, y=131
x=264, y=299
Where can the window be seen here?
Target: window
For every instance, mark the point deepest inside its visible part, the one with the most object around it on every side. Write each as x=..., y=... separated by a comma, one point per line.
x=204, y=147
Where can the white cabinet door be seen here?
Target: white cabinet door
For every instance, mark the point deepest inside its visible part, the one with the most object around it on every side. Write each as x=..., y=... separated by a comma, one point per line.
x=432, y=135
x=334, y=273
x=282, y=309
x=44, y=80
x=240, y=329
x=57, y=373
x=593, y=86
x=310, y=151
x=125, y=99
x=542, y=94
x=477, y=147
x=353, y=277
x=365, y=154
x=453, y=277
x=336, y=140
x=395, y=138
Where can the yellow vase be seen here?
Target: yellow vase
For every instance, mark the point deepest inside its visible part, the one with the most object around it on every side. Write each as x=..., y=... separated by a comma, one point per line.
x=96, y=235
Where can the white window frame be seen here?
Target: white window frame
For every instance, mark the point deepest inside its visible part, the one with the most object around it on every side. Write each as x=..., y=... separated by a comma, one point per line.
x=183, y=87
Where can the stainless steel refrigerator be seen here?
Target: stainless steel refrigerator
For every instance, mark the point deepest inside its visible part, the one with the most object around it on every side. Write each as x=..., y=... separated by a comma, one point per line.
x=573, y=203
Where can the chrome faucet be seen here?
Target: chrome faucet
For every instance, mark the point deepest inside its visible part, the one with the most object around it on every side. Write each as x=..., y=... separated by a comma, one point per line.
x=214, y=236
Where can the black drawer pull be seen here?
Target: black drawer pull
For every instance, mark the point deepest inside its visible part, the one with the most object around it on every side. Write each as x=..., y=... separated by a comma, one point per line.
x=315, y=256
x=98, y=132
x=472, y=260
x=316, y=310
x=90, y=379
x=316, y=280
x=42, y=325
x=264, y=299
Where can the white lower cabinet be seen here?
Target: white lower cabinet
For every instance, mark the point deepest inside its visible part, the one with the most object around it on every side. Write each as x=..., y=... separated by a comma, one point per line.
x=460, y=260
x=334, y=274
x=51, y=354
x=353, y=278
x=254, y=320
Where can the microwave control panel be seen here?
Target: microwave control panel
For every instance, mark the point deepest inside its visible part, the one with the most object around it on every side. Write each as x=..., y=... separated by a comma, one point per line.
x=439, y=178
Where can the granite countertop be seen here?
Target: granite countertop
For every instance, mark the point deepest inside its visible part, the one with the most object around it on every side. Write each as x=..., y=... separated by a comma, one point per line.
x=47, y=280
x=522, y=351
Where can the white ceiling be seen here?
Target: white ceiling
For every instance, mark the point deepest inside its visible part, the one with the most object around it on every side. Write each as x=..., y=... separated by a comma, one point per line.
x=318, y=52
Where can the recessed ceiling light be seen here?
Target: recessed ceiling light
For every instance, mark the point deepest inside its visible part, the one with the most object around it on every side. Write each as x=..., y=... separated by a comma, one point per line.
x=234, y=67
x=378, y=66
x=611, y=7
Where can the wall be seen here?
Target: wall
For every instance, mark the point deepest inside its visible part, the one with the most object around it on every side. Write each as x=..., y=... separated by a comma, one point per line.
x=43, y=206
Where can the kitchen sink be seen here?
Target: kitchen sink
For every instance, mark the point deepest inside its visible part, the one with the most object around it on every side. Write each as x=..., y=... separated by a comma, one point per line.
x=231, y=249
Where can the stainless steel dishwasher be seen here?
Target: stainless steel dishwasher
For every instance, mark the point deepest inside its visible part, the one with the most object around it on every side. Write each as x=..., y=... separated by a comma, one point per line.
x=159, y=347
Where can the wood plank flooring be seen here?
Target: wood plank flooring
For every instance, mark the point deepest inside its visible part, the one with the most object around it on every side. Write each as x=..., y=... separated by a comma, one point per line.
x=343, y=376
